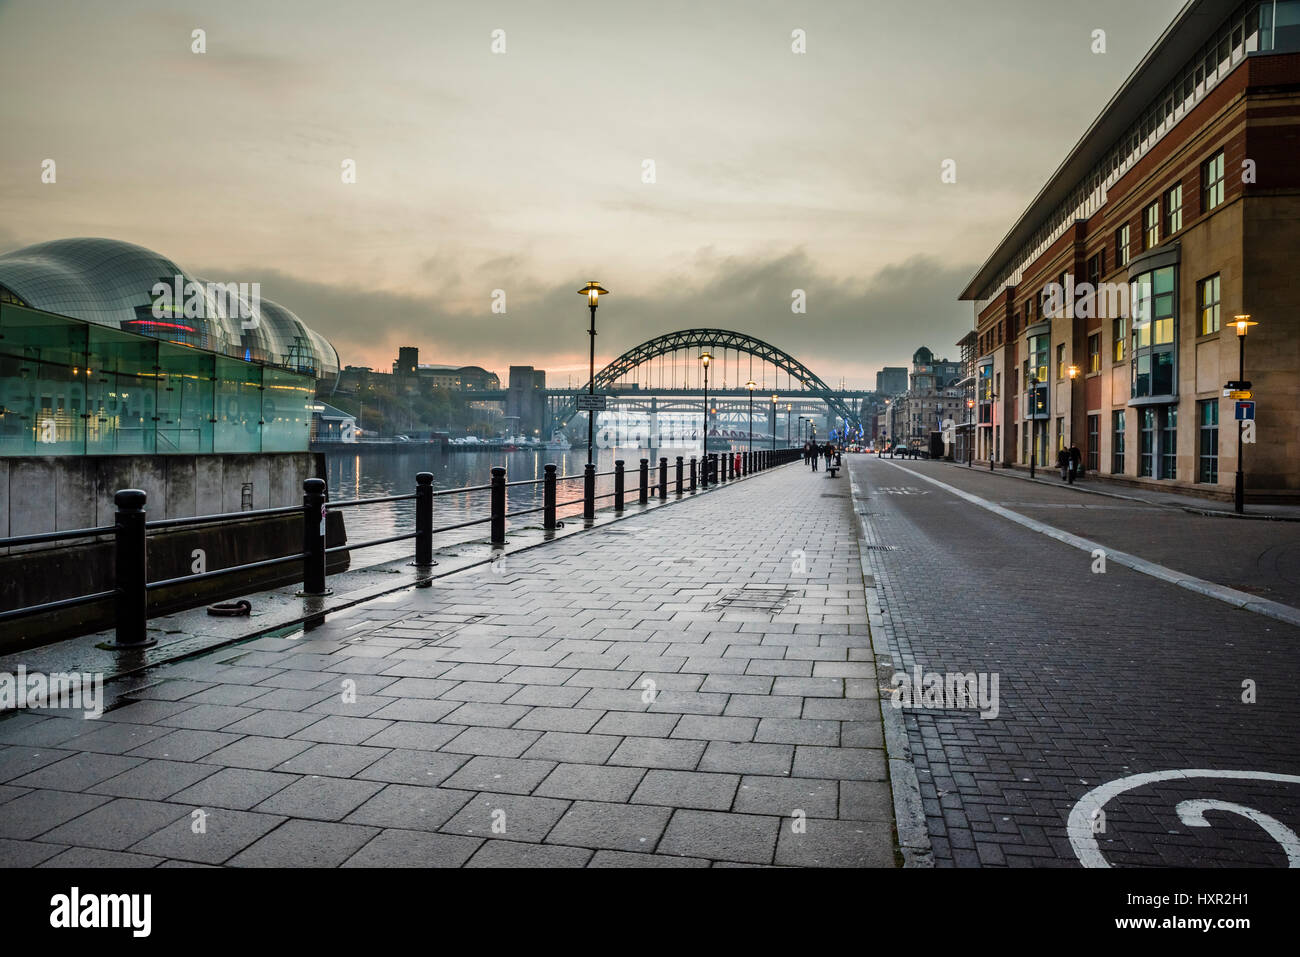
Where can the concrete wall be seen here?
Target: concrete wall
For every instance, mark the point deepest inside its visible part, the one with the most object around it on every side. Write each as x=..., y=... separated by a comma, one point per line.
x=45, y=494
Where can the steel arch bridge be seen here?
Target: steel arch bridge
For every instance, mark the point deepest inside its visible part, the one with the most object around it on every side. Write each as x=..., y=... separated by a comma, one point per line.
x=686, y=339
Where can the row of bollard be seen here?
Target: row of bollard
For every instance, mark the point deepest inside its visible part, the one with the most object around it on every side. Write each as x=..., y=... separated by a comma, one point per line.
x=130, y=540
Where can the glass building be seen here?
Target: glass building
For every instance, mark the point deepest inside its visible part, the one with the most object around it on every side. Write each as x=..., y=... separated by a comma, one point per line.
x=94, y=361
x=116, y=284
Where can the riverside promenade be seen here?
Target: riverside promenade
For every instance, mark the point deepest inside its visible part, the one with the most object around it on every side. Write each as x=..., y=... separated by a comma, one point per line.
x=691, y=686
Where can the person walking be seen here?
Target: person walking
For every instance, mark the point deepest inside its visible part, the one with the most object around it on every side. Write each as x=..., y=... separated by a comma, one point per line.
x=1063, y=463
x=828, y=450
x=1076, y=463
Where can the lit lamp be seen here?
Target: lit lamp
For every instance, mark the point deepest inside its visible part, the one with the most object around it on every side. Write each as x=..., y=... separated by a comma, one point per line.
x=1243, y=324
x=789, y=407
x=593, y=292
x=705, y=359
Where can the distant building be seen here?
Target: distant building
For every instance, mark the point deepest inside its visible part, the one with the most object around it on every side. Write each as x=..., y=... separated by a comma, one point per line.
x=891, y=380
x=526, y=399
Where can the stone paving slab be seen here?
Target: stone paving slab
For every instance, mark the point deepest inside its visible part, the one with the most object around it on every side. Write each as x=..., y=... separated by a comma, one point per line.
x=694, y=687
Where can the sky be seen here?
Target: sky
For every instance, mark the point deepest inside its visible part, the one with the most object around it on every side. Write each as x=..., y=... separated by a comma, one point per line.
x=524, y=169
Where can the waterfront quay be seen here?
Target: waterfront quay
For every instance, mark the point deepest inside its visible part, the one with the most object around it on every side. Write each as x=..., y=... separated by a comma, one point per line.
x=691, y=685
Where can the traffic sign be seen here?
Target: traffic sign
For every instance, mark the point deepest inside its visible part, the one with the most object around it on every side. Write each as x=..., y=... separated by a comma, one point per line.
x=1246, y=411
x=1241, y=394
x=591, y=403
x=1237, y=384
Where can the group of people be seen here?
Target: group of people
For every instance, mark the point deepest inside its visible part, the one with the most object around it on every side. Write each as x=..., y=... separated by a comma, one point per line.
x=813, y=451
x=1070, y=462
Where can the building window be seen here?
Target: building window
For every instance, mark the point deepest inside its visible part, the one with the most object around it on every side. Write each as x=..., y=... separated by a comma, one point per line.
x=1168, y=442
x=1024, y=443
x=1060, y=360
x=1153, y=345
x=1060, y=433
x=1094, y=352
x=1036, y=364
x=1174, y=210
x=1094, y=443
x=1207, y=413
x=1212, y=182
x=1207, y=299
x=1151, y=226
x=1120, y=335
x=1147, y=442
x=1121, y=246
x=1117, y=443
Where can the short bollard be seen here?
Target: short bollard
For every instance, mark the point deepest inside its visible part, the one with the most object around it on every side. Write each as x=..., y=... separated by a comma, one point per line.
x=618, y=485
x=645, y=481
x=749, y=462
x=131, y=599
x=313, y=538
x=679, y=476
x=589, y=492
x=498, y=505
x=692, y=473
x=548, y=499
x=424, y=520
x=663, y=478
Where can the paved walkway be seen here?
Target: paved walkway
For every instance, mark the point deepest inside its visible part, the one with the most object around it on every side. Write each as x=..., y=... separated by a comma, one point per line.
x=1103, y=677
x=692, y=686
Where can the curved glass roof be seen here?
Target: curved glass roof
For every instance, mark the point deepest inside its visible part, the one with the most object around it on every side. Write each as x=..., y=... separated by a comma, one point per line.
x=111, y=282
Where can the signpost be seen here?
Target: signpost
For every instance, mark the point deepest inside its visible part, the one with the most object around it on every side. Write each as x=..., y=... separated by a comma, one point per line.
x=1245, y=411
x=591, y=403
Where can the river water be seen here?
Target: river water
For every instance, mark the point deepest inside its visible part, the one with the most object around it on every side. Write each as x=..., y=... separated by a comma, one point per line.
x=373, y=474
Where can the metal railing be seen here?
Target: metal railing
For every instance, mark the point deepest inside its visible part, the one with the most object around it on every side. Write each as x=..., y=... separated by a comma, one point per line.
x=130, y=528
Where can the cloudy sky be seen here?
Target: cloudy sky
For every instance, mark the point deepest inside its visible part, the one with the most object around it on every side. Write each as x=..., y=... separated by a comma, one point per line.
x=524, y=170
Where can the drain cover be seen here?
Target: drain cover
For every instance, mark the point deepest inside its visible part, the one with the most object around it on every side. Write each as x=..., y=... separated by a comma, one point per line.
x=768, y=598
x=881, y=548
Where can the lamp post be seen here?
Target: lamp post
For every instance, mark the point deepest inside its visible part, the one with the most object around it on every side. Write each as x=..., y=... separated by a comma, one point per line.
x=1243, y=324
x=774, y=398
x=705, y=359
x=751, y=385
x=1033, y=423
x=993, y=415
x=593, y=292
x=1073, y=372
x=970, y=433
x=789, y=407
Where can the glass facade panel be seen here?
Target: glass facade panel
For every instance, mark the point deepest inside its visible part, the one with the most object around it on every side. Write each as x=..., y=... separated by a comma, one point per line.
x=238, y=406
x=1117, y=442
x=1208, y=416
x=71, y=387
x=286, y=416
x=185, y=400
x=1154, y=333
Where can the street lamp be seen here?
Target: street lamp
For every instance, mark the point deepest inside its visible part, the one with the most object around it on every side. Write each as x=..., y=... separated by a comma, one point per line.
x=1033, y=422
x=751, y=385
x=970, y=432
x=789, y=407
x=993, y=417
x=593, y=292
x=705, y=359
x=1243, y=324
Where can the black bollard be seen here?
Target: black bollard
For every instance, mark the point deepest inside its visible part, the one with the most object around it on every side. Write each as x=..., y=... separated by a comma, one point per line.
x=548, y=498
x=645, y=481
x=618, y=485
x=424, y=520
x=498, y=505
x=132, y=598
x=589, y=492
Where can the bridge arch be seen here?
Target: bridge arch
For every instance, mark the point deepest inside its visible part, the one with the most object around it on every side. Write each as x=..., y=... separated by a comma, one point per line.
x=685, y=339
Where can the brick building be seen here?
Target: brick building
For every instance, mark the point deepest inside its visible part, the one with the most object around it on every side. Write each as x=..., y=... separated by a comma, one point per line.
x=1178, y=210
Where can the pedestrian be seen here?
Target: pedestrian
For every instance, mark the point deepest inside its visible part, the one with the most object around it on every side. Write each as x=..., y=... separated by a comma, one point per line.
x=1076, y=463
x=827, y=450
x=1063, y=463
x=816, y=453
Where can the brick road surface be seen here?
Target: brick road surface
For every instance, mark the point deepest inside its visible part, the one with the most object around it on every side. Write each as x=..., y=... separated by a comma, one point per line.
x=1101, y=677
x=1252, y=555
x=504, y=716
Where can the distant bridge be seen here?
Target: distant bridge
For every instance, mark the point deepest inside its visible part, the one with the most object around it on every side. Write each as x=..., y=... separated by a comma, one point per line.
x=676, y=355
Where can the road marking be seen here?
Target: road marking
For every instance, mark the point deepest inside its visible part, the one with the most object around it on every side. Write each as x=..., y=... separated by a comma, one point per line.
x=1088, y=850
x=1230, y=596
